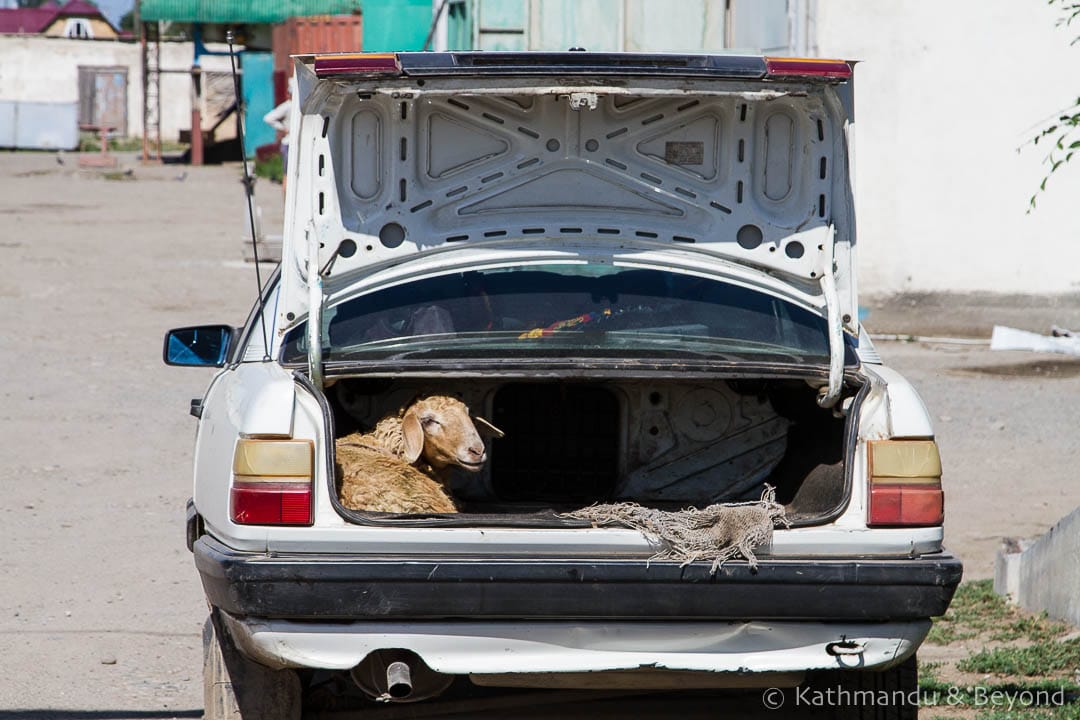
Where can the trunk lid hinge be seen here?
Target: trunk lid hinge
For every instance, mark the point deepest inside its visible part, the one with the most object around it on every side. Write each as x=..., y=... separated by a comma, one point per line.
x=831, y=393
x=315, y=301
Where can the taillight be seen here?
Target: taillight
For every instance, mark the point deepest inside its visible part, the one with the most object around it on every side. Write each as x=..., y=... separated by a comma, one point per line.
x=807, y=67
x=363, y=64
x=272, y=482
x=905, y=483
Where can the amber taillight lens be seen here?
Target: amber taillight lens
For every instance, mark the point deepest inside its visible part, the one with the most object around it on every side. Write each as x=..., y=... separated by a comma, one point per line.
x=905, y=484
x=272, y=482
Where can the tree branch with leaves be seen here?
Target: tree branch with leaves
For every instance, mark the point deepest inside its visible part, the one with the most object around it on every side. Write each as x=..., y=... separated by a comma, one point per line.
x=1063, y=135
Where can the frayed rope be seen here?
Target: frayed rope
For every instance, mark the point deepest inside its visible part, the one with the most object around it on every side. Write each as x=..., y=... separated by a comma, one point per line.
x=718, y=532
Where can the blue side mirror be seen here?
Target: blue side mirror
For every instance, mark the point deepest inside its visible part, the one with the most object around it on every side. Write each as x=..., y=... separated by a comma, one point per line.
x=203, y=346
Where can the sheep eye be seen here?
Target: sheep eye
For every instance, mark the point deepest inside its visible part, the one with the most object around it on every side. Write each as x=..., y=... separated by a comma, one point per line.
x=428, y=421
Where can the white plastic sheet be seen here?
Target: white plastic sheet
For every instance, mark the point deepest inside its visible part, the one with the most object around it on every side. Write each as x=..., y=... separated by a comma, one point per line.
x=1007, y=338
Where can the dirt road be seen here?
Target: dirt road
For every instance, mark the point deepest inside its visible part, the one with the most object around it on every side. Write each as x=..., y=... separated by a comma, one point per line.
x=100, y=607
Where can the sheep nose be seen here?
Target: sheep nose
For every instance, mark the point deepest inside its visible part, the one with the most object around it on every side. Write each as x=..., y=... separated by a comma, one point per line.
x=476, y=452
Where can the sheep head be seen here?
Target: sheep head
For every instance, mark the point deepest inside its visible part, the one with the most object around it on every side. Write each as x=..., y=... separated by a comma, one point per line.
x=441, y=431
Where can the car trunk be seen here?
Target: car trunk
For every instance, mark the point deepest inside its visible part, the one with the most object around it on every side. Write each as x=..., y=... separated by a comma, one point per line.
x=657, y=176
x=669, y=444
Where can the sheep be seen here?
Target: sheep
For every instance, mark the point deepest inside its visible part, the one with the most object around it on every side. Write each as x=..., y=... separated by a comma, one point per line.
x=373, y=480
x=404, y=464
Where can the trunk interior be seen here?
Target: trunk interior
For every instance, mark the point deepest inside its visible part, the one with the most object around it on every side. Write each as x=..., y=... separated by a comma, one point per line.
x=661, y=443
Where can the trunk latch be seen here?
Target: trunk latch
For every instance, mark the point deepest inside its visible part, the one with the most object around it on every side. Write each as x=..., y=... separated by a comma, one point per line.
x=582, y=100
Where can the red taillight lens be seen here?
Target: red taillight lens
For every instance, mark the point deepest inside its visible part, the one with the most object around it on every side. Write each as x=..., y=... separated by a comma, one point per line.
x=357, y=64
x=272, y=482
x=905, y=484
x=807, y=67
x=911, y=505
x=271, y=503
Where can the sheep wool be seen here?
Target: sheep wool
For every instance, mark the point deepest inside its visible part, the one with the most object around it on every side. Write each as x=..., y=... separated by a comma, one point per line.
x=375, y=481
x=385, y=434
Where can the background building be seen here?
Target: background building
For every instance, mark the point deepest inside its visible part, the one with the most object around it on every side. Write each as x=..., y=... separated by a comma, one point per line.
x=73, y=19
x=949, y=96
x=625, y=25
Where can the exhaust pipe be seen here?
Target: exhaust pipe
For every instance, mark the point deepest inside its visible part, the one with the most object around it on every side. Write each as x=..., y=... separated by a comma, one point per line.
x=398, y=675
x=398, y=680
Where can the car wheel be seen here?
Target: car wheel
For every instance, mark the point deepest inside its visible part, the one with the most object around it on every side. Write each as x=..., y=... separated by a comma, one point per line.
x=884, y=695
x=235, y=688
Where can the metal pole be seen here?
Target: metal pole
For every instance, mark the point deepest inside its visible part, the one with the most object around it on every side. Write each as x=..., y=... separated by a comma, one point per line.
x=196, y=116
x=159, y=27
x=140, y=32
x=196, y=99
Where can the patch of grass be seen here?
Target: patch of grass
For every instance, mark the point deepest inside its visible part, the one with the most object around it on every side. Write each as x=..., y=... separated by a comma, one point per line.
x=1036, y=628
x=928, y=671
x=1043, y=664
x=946, y=633
x=1043, y=658
x=90, y=142
x=1062, y=712
x=1053, y=700
x=930, y=683
x=976, y=602
x=270, y=168
x=35, y=173
x=976, y=609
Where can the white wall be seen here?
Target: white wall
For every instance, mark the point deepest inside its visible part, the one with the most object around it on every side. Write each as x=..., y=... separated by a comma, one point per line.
x=946, y=93
x=40, y=69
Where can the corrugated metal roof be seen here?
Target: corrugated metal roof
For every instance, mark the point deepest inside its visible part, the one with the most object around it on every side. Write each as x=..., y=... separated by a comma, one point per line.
x=243, y=11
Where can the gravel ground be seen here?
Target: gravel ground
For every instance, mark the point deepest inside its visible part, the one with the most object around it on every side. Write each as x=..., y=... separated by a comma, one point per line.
x=101, y=609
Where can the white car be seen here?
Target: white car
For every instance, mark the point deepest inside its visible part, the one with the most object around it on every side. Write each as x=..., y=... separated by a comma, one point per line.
x=641, y=268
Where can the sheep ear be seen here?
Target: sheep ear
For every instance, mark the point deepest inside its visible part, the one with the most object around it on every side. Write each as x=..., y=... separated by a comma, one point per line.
x=412, y=435
x=490, y=429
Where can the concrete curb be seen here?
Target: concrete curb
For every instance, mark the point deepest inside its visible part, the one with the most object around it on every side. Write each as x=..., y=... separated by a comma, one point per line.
x=1043, y=574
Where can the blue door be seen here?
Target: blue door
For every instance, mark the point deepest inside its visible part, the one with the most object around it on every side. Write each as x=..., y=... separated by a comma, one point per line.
x=257, y=87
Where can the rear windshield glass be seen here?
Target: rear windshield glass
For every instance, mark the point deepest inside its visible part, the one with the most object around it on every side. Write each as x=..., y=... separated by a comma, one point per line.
x=571, y=310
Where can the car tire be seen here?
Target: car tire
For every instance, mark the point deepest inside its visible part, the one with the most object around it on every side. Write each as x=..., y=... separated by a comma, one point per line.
x=888, y=694
x=235, y=688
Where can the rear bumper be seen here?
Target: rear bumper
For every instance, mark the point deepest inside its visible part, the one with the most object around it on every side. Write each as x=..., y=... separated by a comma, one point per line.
x=746, y=654
x=335, y=588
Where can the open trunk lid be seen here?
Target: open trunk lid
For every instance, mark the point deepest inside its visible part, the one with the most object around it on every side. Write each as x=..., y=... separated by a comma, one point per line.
x=739, y=162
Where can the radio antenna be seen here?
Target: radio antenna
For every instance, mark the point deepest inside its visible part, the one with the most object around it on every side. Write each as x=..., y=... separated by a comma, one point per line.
x=249, y=191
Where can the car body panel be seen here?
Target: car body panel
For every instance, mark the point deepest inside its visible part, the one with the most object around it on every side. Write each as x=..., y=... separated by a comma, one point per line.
x=249, y=399
x=561, y=647
x=907, y=413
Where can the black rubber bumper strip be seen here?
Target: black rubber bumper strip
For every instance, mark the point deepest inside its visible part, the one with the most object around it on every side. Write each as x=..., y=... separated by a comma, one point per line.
x=354, y=587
